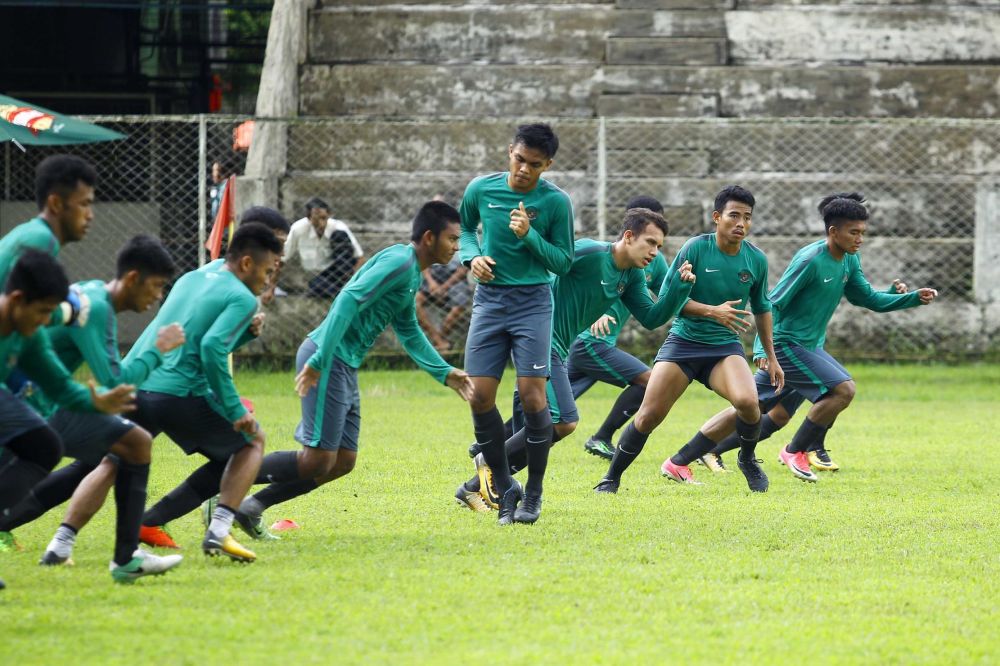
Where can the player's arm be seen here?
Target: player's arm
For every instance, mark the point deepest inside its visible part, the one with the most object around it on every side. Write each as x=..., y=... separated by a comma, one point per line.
x=39, y=361
x=468, y=237
x=796, y=277
x=860, y=292
x=673, y=295
x=761, y=307
x=216, y=344
x=556, y=252
x=412, y=337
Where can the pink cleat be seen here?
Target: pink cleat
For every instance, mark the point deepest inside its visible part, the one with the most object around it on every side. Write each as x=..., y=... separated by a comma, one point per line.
x=797, y=464
x=679, y=473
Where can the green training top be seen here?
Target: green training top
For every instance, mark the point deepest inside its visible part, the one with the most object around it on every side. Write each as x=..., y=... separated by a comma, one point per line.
x=721, y=277
x=594, y=283
x=655, y=273
x=33, y=234
x=810, y=290
x=215, y=266
x=96, y=344
x=380, y=293
x=35, y=357
x=214, y=308
x=548, y=245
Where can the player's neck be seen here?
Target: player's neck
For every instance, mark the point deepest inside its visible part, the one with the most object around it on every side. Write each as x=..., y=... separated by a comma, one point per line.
x=117, y=292
x=728, y=247
x=835, y=251
x=619, y=255
x=50, y=220
x=520, y=190
x=424, y=258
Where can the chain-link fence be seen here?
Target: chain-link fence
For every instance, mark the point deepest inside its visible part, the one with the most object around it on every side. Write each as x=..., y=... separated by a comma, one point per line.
x=929, y=184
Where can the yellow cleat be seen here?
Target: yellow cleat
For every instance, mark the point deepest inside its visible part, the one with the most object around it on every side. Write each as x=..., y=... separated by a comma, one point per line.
x=486, y=487
x=228, y=546
x=821, y=461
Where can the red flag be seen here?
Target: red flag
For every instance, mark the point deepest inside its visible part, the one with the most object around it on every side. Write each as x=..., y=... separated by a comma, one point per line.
x=224, y=219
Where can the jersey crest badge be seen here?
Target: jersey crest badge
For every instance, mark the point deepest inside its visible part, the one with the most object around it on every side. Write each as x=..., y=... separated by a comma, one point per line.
x=745, y=276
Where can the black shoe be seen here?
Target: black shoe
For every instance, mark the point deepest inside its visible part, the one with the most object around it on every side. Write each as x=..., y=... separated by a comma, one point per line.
x=508, y=503
x=475, y=449
x=2, y=585
x=756, y=478
x=607, y=486
x=530, y=509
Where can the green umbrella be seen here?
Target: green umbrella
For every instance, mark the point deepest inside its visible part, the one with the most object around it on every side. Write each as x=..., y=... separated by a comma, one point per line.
x=30, y=125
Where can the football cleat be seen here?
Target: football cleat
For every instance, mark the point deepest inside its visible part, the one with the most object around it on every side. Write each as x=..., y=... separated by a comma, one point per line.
x=713, y=462
x=254, y=527
x=157, y=537
x=797, y=464
x=509, y=502
x=475, y=449
x=678, y=473
x=8, y=543
x=755, y=476
x=607, y=486
x=143, y=564
x=471, y=499
x=207, y=509
x=599, y=448
x=820, y=459
x=487, y=488
x=530, y=509
x=53, y=559
x=226, y=545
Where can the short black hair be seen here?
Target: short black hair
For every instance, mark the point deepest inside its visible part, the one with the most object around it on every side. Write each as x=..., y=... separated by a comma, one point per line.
x=269, y=217
x=39, y=276
x=539, y=136
x=645, y=201
x=842, y=207
x=637, y=219
x=255, y=239
x=147, y=255
x=733, y=193
x=61, y=174
x=316, y=202
x=433, y=216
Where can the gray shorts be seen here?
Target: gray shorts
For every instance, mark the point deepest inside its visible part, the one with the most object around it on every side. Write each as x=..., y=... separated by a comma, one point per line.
x=558, y=393
x=696, y=359
x=331, y=410
x=811, y=373
x=510, y=322
x=16, y=417
x=195, y=423
x=88, y=437
x=590, y=362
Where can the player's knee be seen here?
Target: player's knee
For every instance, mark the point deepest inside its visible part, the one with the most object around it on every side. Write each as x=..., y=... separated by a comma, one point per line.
x=845, y=392
x=534, y=401
x=481, y=402
x=747, y=408
x=563, y=430
x=647, y=419
x=642, y=380
x=134, y=447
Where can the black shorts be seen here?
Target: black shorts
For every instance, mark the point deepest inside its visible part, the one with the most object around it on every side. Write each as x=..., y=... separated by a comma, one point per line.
x=195, y=423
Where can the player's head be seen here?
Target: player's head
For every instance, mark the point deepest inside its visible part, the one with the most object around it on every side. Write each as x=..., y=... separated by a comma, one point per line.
x=436, y=228
x=642, y=235
x=645, y=201
x=733, y=213
x=318, y=211
x=64, y=191
x=846, y=220
x=270, y=218
x=143, y=268
x=531, y=155
x=253, y=255
x=36, y=285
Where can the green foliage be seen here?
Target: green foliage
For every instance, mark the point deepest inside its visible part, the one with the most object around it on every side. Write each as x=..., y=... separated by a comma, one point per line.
x=892, y=560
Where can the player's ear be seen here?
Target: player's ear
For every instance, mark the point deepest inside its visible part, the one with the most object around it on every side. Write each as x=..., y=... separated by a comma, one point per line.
x=428, y=239
x=131, y=278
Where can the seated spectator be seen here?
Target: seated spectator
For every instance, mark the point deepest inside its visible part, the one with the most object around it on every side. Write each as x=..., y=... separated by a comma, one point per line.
x=444, y=285
x=326, y=248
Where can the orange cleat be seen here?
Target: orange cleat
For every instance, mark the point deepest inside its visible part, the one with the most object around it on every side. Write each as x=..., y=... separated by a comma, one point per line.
x=156, y=537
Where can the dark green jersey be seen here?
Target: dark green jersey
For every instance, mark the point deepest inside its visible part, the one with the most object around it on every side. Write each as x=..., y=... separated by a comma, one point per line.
x=34, y=357
x=721, y=277
x=382, y=292
x=33, y=234
x=594, y=283
x=655, y=274
x=215, y=309
x=811, y=288
x=548, y=245
x=215, y=266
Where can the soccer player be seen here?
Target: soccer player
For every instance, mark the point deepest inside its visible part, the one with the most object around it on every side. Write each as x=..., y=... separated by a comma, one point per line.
x=602, y=274
x=192, y=398
x=36, y=285
x=143, y=268
x=527, y=225
x=728, y=269
x=818, y=277
x=380, y=293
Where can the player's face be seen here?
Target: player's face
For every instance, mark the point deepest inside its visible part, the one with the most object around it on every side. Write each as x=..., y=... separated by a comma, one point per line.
x=526, y=166
x=318, y=218
x=446, y=243
x=75, y=212
x=733, y=223
x=260, y=273
x=642, y=249
x=30, y=316
x=148, y=291
x=849, y=236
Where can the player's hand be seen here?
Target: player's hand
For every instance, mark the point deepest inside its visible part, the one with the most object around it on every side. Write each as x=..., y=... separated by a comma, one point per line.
x=900, y=286
x=520, y=223
x=115, y=401
x=306, y=379
x=761, y=362
x=169, y=337
x=776, y=373
x=927, y=295
x=460, y=382
x=257, y=324
x=246, y=424
x=731, y=317
x=602, y=326
x=686, y=274
x=482, y=268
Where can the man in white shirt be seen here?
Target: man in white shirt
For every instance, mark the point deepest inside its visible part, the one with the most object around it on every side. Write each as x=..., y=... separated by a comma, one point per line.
x=326, y=248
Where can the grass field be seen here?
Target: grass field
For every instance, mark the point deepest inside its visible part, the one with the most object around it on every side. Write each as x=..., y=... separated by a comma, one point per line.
x=895, y=559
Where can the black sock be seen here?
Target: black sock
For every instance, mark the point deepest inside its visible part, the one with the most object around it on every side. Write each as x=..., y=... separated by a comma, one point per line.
x=517, y=451
x=130, y=501
x=820, y=442
x=279, y=467
x=508, y=428
x=699, y=445
x=807, y=433
x=629, y=447
x=202, y=484
x=625, y=407
x=276, y=493
x=767, y=428
x=538, y=437
x=49, y=493
x=748, y=434
x=489, y=434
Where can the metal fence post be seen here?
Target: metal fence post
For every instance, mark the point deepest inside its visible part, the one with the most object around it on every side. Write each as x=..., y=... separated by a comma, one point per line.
x=202, y=187
x=602, y=181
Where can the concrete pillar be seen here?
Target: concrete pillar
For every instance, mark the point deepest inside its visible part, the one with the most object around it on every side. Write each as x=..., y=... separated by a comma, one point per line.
x=986, y=276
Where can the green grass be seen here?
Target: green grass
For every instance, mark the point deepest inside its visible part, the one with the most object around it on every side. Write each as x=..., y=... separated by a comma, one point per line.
x=892, y=560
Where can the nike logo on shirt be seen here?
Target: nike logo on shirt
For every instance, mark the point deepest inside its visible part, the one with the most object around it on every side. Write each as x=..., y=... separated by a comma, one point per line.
x=605, y=283
x=712, y=270
x=827, y=279
x=495, y=205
